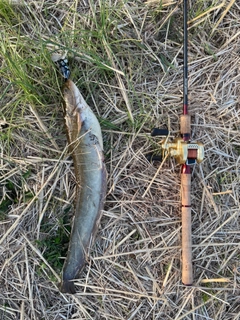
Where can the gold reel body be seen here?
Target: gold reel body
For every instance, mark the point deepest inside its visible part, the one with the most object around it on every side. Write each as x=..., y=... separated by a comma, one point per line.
x=182, y=151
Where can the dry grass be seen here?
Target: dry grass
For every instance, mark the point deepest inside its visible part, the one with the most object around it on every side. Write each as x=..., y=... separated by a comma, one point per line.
x=126, y=58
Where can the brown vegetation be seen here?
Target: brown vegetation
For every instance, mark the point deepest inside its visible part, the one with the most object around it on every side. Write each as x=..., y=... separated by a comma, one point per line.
x=126, y=58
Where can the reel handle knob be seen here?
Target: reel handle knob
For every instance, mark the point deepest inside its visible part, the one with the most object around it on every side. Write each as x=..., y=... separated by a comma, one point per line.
x=159, y=132
x=153, y=157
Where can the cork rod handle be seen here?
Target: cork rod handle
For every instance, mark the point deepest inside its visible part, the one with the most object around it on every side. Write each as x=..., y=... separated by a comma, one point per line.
x=187, y=272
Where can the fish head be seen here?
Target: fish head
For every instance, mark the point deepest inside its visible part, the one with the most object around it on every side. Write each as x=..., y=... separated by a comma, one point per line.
x=72, y=112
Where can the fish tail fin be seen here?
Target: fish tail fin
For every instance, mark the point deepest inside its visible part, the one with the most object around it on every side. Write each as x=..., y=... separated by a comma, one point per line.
x=67, y=286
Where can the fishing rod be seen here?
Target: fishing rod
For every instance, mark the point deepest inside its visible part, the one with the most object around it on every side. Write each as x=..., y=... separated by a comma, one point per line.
x=186, y=153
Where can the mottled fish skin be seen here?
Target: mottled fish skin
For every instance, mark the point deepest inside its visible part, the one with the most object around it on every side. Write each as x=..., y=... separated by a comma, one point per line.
x=86, y=146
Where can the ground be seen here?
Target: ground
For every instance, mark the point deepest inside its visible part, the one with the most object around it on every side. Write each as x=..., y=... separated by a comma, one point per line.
x=126, y=59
